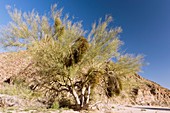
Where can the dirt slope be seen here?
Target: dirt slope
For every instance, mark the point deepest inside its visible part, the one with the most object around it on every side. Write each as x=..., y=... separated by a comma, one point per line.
x=12, y=63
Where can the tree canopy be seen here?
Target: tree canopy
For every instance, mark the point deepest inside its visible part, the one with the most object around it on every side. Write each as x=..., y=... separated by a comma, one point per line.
x=64, y=59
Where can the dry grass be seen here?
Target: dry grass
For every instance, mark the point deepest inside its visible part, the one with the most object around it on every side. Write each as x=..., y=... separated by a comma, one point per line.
x=19, y=90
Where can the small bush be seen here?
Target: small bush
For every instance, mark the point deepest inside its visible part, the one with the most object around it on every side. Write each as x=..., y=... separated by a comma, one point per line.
x=55, y=105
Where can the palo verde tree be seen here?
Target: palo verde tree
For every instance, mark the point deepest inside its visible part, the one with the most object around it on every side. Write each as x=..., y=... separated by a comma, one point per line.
x=66, y=61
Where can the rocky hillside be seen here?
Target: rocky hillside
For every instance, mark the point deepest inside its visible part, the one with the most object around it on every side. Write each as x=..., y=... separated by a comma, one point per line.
x=12, y=64
x=136, y=89
x=140, y=91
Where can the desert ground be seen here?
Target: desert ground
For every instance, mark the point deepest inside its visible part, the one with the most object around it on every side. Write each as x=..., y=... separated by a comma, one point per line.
x=140, y=109
x=115, y=109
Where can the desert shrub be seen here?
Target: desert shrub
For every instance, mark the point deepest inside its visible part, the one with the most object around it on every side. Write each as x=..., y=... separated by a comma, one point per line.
x=66, y=61
x=55, y=105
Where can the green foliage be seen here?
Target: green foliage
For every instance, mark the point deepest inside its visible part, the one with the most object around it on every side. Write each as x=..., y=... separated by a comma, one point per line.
x=125, y=64
x=66, y=61
x=55, y=105
x=59, y=29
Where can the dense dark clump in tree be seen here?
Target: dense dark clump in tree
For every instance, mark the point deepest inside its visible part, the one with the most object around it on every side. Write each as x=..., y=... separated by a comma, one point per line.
x=78, y=49
x=113, y=89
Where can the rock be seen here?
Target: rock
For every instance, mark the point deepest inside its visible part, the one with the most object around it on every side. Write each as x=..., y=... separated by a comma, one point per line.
x=15, y=101
x=9, y=101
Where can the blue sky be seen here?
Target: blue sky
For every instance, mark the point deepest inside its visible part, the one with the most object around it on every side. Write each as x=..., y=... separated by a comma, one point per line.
x=145, y=24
